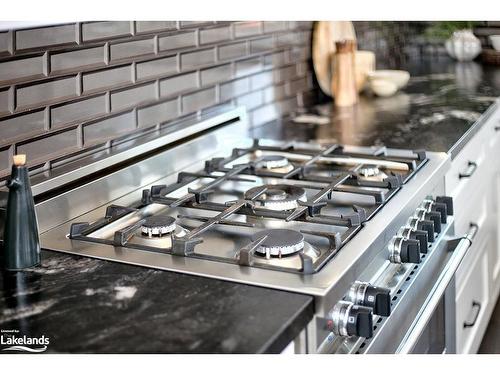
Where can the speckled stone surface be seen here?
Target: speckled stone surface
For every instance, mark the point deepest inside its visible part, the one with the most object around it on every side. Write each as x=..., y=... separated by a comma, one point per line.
x=91, y=306
x=441, y=102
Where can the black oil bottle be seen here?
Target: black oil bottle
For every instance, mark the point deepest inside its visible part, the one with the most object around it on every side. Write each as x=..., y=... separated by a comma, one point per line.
x=21, y=241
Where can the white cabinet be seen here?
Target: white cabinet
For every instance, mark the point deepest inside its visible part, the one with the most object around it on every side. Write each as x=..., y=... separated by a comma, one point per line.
x=471, y=302
x=474, y=183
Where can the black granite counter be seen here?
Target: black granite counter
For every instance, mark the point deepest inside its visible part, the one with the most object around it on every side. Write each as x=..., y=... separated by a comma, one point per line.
x=86, y=305
x=443, y=100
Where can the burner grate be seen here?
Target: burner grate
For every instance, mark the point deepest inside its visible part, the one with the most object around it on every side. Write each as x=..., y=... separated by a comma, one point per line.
x=326, y=173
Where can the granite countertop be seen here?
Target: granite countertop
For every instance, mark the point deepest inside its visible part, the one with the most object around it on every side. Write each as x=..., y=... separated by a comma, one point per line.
x=86, y=305
x=443, y=100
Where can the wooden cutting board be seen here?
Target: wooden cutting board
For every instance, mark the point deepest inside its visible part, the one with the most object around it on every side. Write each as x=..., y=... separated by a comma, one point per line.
x=325, y=34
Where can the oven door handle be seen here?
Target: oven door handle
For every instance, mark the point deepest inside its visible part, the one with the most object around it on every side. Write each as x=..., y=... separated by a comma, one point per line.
x=459, y=246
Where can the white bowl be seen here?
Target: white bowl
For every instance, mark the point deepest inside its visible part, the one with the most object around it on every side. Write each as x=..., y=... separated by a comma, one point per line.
x=495, y=42
x=399, y=77
x=382, y=87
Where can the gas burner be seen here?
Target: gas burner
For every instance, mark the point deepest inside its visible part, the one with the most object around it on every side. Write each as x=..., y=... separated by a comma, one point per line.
x=277, y=197
x=158, y=225
x=279, y=242
x=275, y=163
x=369, y=171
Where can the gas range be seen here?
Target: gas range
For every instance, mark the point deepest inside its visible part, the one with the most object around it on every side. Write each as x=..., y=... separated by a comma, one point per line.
x=364, y=230
x=282, y=208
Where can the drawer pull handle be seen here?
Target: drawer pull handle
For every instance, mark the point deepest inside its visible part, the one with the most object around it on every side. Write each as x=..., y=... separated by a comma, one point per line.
x=469, y=171
x=475, y=305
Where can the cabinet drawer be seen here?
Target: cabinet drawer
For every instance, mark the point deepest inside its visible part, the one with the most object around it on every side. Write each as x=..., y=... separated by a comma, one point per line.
x=464, y=180
x=474, y=210
x=471, y=304
x=495, y=224
x=492, y=128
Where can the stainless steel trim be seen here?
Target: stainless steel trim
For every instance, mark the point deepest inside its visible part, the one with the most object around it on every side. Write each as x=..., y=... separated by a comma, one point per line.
x=122, y=152
x=438, y=291
x=395, y=249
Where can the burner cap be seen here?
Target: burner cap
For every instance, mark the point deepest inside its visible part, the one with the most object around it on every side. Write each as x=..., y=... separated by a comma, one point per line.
x=275, y=194
x=158, y=225
x=279, y=242
x=274, y=161
x=277, y=197
x=369, y=171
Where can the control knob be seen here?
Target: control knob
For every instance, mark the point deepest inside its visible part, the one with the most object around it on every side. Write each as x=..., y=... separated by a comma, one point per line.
x=364, y=294
x=404, y=250
x=433, y=216
x=415, y=234
x=426, y=225
x=430, y=205
x=348, y=319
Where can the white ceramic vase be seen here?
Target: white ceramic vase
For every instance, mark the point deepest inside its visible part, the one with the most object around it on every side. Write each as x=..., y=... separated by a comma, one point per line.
x=463, y=45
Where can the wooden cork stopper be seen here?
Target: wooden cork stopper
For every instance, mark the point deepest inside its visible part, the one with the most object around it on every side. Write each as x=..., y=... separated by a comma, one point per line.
x=19, y=160
x=345, y=46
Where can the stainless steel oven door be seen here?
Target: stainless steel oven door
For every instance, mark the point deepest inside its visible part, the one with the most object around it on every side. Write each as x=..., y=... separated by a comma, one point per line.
x=434, y=329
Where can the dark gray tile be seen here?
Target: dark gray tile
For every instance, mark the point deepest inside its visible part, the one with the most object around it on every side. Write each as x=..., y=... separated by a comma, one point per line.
x=102, y=30
x=158, y=113
x=302, y=69
x=286, y=73
x=157, y=67
x=261, y=80
x=5, y=43
x=274, y=93
x=178, y=84
x=297, y=54
x=231, y=51
x=217, y=74
x=18, y=70
x=177, y=41
x=247, y=28
x=298, y=85
x=234, y=88
x=131, y=97
x=194, y=23
x=21, y=126
x=251, y=100
x=46, y=92
x=5, y=101
x=104, y=130
x=198, y=100
x=150, y=26
x=275, y=60
x=283, y=40
x=49, y=147
x=262, y=45
x=131, y=49
x=287, y=105
x=264, y=114
x=248, y=66
x=192, y=60
x=77, y=59
x=215, y=34
x=5, y=161
x=272, y=26
x=107, y=78
x=78, y=111
x=302, y=25
x=305, y=37
x=45, y=36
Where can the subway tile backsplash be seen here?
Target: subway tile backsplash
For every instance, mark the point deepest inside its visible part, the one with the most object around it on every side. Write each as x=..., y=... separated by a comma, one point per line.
x=67, y=88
